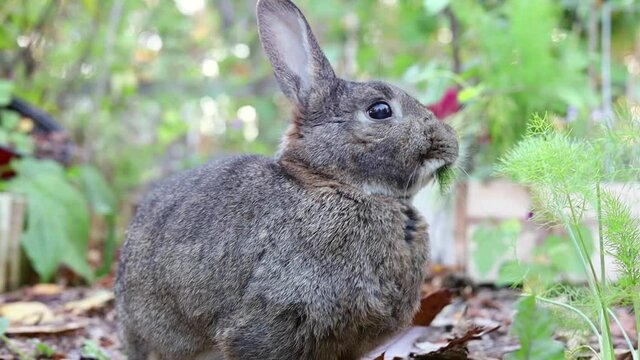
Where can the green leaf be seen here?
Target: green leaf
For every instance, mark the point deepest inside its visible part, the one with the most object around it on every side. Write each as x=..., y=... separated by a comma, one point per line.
x=57, y=219
x=492, y=243
x=435, y=6
x=6, y=90
x=4, y=325
x=511, y=273
x=10, y=119
x=562, y=255
x=470, y=93
x=45, y=350
x=534, y=327
x=93, y=350
x=95, y=188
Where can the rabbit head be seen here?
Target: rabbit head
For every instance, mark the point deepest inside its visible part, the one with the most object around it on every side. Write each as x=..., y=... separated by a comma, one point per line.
x=370, y=135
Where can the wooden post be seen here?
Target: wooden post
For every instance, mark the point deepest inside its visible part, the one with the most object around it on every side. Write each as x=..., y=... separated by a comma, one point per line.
x=11, y=222
x=461, y=224
x=18, y=207
x=5, y=239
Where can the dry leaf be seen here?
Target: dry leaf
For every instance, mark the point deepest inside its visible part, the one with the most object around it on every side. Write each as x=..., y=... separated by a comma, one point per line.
x=27, y=312
x=44, y=329
x=45, y=290
x=95, y=301
x=430, y=307
x=456, y=349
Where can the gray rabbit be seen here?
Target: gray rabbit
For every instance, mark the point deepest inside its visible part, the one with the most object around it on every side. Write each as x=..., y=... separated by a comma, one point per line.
x=316, y=253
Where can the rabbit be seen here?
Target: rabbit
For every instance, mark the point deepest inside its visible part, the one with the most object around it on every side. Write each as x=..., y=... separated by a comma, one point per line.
x=316, y=253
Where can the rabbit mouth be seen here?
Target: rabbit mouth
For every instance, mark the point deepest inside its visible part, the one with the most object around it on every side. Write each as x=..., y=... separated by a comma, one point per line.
x=425, y=173
x=430, y=166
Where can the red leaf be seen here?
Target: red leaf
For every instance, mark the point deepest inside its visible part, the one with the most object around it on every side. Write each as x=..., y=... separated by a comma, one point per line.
x=430, y=307
x=448, y=105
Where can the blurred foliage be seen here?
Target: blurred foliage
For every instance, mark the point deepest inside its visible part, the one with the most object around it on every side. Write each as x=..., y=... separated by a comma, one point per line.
x=149, y=87
x=534, y=326
x=58, y=214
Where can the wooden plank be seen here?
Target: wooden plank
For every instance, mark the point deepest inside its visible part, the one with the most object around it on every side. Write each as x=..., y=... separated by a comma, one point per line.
x=497, y=200
x=461, y=225
x=17, y=225
x=5, y=236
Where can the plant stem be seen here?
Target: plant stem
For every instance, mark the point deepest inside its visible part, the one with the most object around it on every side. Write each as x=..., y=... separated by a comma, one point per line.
x=607, y=340
x=576, y=235
x=636, y=313
x=21, y=355
x=634, y=356
x=574, y=310
x=600, y=234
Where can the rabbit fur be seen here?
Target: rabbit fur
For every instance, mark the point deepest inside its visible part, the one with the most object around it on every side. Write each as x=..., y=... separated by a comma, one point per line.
x=315, y=253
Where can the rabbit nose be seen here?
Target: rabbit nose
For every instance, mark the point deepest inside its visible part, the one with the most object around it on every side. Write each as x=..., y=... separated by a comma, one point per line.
x=444, y=142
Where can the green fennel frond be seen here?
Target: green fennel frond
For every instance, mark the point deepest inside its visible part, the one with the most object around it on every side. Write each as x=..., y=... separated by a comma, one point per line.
x=621, y=232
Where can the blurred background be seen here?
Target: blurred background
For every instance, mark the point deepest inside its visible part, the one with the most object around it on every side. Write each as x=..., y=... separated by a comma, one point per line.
x=102, y=97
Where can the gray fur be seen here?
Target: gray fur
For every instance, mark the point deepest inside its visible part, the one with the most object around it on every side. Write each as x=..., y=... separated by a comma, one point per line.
x=313, y=254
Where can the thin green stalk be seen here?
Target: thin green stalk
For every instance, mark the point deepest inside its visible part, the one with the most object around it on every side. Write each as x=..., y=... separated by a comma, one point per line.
x=574, y=310
x=600, y=234
x=634, y=355
x=636, y=313
x=14, y=349
x=575, y=351
x=582, y=246
x=607, y=340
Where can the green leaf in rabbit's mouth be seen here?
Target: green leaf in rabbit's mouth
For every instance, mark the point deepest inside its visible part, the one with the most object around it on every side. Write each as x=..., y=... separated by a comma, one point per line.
x=446, y=177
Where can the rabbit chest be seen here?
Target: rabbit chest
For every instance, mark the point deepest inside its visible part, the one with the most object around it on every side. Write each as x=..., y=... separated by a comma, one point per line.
x=352, y=265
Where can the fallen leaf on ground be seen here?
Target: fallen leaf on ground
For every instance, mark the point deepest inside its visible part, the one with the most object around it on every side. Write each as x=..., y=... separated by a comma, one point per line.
x=456, y=349
x=431, y=305
x=27, y=312
x=95, y=301
x=45, y=290
x=44, y=329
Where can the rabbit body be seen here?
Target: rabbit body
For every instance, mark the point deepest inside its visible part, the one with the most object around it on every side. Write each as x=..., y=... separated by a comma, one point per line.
x=246, y=258
x=315, y=253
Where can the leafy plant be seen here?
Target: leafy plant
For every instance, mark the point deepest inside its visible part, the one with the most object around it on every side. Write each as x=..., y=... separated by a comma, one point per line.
x=103, y=202
x=565, y=176
x=93, y=350
x=492, y=243
x=4, y=325
x=57, y=228
x=528, y=62
x=534, y=326
x=44, y=350
x=57, y=218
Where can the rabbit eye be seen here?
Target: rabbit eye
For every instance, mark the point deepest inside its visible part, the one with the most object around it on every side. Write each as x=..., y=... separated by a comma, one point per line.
x=379, y=111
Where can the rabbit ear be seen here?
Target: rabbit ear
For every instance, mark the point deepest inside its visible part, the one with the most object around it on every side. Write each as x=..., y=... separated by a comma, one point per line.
x=298, y=62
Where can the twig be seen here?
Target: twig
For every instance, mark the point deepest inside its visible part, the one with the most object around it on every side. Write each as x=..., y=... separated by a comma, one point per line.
x=26, y=55
x=105, y=69
x=606, y=63
x=455, y=40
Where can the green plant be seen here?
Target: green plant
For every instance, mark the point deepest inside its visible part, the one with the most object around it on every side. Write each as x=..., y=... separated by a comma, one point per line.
x=58, y=212
x=93, y=350
x=528, y=61
x=491, y=244
x=44, y=350
x=534, y=326
x=4, y=325
x=565, y=176
x=554, y=260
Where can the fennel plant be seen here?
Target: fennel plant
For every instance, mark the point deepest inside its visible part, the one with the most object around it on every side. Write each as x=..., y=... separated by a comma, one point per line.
x=565, y=176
